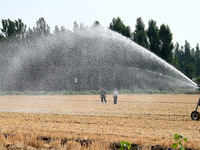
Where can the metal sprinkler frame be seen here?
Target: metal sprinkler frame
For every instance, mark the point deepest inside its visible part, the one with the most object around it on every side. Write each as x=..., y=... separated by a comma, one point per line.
x=195, y=115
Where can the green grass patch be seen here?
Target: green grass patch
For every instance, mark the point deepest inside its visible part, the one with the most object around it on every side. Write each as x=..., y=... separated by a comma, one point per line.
x=96, y=92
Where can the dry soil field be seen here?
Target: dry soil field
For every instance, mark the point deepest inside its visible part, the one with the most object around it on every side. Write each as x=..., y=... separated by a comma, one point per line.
x=31, y=122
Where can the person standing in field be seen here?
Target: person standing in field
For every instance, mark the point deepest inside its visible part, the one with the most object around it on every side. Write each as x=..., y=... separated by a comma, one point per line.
x=115, y=94
x=103, y=95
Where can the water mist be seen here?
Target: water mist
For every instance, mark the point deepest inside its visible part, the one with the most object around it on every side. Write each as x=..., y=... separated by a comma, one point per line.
x=85, y=60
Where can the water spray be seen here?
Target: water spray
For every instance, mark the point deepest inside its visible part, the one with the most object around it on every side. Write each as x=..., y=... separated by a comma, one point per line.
x=86, y=60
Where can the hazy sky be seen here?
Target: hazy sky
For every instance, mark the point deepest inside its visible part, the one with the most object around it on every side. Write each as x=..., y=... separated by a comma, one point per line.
x=182, y=16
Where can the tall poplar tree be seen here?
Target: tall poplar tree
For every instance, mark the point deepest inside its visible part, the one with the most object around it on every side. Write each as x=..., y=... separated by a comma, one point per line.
x=140, y=35
x=153, y=36
x=166, y=43
x=8, y=28
x=20, y=28
x=197, y=60
x=42, y=28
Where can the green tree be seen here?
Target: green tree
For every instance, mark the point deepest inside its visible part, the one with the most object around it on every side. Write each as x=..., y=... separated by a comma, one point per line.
x=20, y=28
x=188, y=56
x=76, y=26
x=63, y=29
x=13, y=28
x=140, y=35
x=126, y=31
x=42, y=28
x=197, y=60
x=56, y=30
x=176, y=56
x=118, y=26
x=83, y=27
x=153, y=36
x=190, y=70
x=197, y=80
x=181, y=57
x=166, y=44
x=189, y=60
x=8, y=28
x=96, y=24
x=186, y=59
x=30, y=34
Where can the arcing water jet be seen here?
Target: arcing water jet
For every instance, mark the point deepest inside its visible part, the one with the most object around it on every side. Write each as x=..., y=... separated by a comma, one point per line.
x=94, y=57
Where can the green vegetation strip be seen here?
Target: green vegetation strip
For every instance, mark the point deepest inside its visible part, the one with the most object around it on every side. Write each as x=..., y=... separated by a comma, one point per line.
x=95, y=92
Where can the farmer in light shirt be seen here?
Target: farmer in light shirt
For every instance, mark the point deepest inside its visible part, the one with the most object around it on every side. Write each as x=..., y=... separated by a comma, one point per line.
x=115, y=94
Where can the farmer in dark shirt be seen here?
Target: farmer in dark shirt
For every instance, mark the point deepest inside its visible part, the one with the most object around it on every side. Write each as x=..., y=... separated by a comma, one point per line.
x=103, y=95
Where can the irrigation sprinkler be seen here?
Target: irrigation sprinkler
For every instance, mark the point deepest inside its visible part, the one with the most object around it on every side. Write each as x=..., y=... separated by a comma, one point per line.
x=76, y=80
x=195, y=114
x=76, y=83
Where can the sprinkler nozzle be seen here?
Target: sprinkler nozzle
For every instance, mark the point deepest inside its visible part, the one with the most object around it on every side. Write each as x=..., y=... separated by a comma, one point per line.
x=198, y=87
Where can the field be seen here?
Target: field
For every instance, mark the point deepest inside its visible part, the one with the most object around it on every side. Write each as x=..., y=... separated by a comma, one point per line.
x=48, y=122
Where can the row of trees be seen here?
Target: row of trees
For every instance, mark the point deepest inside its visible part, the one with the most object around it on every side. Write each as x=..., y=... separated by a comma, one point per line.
x=187, y=60
x=156, y=39
x=17, y=30
x=159, y=41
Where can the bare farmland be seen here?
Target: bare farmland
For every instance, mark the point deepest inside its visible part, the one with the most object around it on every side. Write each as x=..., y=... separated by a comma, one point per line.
x=141, y=119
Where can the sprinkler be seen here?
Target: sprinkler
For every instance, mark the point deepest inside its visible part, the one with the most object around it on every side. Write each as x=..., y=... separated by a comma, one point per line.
x=195, y=114
x=198, y=87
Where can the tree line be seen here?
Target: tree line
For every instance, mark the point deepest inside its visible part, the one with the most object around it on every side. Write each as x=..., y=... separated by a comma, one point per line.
x=159, y=41
x=156, y=39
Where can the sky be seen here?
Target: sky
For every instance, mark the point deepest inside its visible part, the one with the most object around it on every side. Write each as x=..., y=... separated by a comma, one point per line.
x=182, y=16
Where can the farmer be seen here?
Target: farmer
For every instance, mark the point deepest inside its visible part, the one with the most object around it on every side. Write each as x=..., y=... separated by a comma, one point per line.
x=115, y=94
x=103, y=95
